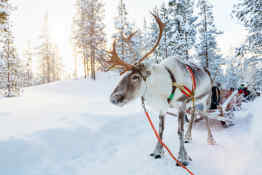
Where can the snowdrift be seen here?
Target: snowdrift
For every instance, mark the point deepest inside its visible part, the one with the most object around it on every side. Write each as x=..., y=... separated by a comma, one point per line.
x=70, y=128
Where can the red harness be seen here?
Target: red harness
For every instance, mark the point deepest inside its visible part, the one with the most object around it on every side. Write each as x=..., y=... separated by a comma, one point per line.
x=185, y=90
x=190, y=93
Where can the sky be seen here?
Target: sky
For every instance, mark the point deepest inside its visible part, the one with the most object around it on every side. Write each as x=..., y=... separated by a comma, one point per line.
x=28, y=21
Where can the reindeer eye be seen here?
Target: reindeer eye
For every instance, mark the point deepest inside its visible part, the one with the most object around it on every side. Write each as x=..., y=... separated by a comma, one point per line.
x=135, y=77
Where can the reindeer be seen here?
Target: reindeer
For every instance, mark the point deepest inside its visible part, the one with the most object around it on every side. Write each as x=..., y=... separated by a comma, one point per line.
x=154, y=83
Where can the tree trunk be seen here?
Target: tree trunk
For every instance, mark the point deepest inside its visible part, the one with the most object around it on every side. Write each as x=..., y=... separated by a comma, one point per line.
x=75, y=69
x=85, y=67
x=85, y=63
x=93, y=73
x=206, y=49
x=8, y=68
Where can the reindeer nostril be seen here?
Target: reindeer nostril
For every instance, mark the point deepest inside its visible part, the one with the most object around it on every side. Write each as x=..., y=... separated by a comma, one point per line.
x=114, y=101
x=117, y=99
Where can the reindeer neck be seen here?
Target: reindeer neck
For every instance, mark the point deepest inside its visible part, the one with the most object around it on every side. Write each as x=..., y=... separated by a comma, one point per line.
x=158, y=83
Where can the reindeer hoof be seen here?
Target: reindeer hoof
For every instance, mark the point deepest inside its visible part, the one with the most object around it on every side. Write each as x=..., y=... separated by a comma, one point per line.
x=183, y=163
x=156, y=156
x=211, y=141
x=188, y=140
x=152, y=155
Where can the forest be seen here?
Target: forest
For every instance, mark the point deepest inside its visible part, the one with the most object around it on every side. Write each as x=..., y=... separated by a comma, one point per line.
x=190, y=35
x=118, y=87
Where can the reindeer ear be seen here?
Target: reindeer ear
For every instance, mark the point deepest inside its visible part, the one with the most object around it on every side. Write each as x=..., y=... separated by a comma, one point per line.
x=145, y=70
x=148, y=73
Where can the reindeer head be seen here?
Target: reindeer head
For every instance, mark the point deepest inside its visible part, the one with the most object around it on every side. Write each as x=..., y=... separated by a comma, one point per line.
x=133, y=84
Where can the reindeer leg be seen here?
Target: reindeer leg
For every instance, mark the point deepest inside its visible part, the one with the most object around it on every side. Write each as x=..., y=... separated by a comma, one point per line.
x=188, y=137
x=183, y=156
x=158, y=151
x=210, y=138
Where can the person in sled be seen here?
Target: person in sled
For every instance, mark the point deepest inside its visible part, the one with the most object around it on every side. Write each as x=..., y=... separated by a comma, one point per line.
x=215, y=100
x=243, y=90
x=215, y=96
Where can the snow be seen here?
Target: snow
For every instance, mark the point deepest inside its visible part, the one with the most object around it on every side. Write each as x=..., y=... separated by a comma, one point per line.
x=70, y=128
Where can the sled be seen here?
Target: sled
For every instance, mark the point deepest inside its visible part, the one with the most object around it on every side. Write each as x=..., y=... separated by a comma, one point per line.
x=225, y=111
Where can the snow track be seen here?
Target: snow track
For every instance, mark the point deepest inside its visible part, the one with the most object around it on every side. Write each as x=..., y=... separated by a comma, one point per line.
x=70, y=128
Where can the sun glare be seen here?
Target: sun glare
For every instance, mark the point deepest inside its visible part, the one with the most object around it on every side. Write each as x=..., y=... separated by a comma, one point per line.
x=29, y=18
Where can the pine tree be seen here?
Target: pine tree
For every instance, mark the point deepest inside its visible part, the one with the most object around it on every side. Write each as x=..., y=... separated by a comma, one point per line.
x=58, y=67
x=49, y=61
x=79, y=38
x=163, y=47
x=163, y=50
x=145, y=44
x=28, y=56
x=44, y=53
x=11, y=73
x=89, y=37
x=96, y=33
x=4, y=14
x=182, y=33
x=206, y=48
x=130, y=51
x=249, y=14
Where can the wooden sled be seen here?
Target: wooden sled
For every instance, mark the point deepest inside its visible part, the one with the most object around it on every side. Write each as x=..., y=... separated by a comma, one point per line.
x=224, y=113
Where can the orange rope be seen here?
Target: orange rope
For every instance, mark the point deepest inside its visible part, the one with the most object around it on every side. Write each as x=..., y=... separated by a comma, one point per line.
x=189, y=93
x=163, y=144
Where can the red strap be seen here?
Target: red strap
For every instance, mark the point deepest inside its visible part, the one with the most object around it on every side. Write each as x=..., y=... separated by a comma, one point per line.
x=192, y=76
x=189, y=94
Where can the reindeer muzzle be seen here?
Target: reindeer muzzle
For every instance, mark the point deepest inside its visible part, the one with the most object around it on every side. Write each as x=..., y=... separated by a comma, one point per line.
x=117, y=99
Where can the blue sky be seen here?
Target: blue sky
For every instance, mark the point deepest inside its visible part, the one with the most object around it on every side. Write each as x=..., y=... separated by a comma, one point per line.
x=28, y=21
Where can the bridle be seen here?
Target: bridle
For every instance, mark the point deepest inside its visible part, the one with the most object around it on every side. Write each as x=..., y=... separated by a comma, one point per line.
x=171, y=96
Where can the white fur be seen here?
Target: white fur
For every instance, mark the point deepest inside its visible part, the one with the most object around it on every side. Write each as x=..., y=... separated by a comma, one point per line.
x=159, y=85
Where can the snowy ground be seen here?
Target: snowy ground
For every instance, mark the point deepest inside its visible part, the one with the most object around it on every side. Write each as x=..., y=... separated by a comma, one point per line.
x=70, y=128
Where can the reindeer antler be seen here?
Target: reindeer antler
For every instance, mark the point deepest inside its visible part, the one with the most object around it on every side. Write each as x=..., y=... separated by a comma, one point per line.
x=116, y=60
x=128, y=41
x=161, y=29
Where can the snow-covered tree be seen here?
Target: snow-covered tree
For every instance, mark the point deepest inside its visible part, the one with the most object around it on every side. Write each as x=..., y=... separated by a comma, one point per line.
x=88, y=32
x=28, y=57
x=128, y=51
x=206, y=48
x=163, y=50
x=232, y=74
x=182, y=32
x=5, y=8
x=11, y=74
x=249, y=14
x=49, y=61
x=253, y=71
x=4, y=14
x=146, y=35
